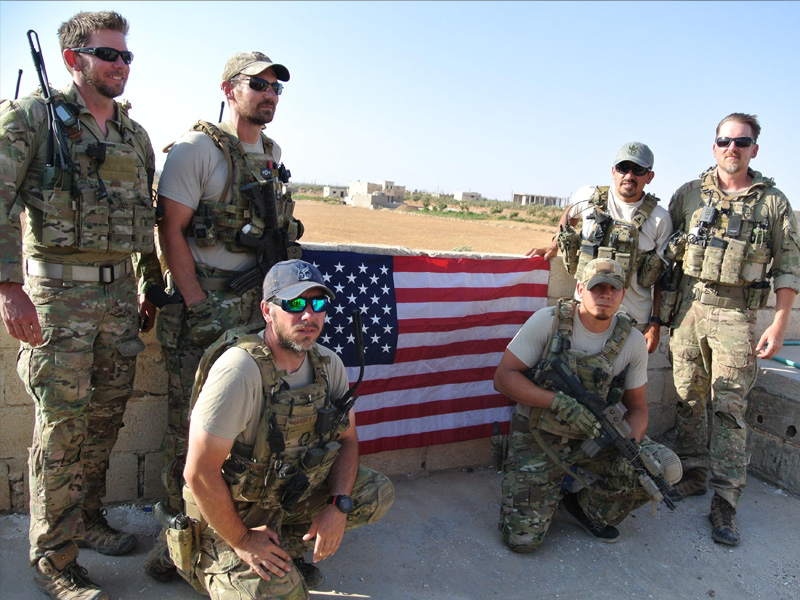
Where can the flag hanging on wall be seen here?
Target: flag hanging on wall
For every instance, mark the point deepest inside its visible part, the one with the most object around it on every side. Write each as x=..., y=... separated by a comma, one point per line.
x=434, y=331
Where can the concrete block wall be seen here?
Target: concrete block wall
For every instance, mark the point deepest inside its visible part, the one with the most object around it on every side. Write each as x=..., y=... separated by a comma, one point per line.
x=135, y=469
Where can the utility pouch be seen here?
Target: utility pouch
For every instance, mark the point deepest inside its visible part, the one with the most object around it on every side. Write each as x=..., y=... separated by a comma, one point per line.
x=568, y=241
x=693, y=260
x=670, y=299
x=587, y=254
x=203, y=230
x=732, y=262
x=93, y=219
x=58, y=220
x=712, y=259
x=181, y=546
x=757, y=295
x=755, y=263
x=650, y=269
x=625, y=260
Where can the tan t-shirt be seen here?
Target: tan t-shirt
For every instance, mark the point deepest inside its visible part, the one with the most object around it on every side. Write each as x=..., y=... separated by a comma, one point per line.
x=530, y=342
x=231, y=402
x=196, y=170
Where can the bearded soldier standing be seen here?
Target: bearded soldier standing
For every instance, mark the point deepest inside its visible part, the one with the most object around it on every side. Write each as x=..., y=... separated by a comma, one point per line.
x=90, y=220
x=739, y=232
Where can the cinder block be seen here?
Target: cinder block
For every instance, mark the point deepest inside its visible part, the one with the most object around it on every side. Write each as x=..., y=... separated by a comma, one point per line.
x=18, y=483
x=153, y=487
x=16, y=431
x=774, y=406
x=5, y=487
x=660, y=402
x=14, y=393
x=151, y=376
x=660, y=358
x=145, y=420
x=774, y=460
x=122, y=479
x=561, y=283
x=471, y=453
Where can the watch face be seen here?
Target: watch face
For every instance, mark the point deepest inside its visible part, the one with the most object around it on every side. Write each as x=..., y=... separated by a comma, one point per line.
x=344, y=504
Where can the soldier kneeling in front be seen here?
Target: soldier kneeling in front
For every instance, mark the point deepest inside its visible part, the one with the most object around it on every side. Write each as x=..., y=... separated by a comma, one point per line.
x=577, y=372
x=272, y=468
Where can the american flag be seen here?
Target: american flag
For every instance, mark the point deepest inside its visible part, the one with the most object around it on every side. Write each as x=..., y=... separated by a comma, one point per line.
x=434, y=330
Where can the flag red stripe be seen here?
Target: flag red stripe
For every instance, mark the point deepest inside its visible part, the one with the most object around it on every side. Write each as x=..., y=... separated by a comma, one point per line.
x=410, y=382
x=455, y=323
x=431, y=438
x=463, y=294
x=429, y=409
x=426, y=264
x=445, y=350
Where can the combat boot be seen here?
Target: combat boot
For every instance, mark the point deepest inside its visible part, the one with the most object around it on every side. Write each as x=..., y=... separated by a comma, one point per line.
x=723, y=522
x=58, y=574
x=103, y=538
x=693, y=483
x=158, y=563
x=311, y=573
x=572, y=510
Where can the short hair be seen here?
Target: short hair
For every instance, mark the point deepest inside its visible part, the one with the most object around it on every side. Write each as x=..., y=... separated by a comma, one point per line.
x=75, y=32
x=751, y=120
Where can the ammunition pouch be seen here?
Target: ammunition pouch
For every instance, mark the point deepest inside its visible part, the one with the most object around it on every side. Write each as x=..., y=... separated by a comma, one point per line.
x=651, y=266
x=568, y=242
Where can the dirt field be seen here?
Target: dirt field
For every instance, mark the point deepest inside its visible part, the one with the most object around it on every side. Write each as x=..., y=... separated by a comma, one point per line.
x=417, y=231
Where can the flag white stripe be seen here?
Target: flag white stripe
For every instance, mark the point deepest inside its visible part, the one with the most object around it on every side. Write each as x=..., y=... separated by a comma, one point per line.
x=435, y=310
x=433, y=423
x=413, y=279
x=427, y=367
x=434, y=393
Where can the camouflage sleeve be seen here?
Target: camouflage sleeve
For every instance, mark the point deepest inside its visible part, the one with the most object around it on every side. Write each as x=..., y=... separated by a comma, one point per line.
x=785, y=245
x=18, y=144
x=676, y=208
x=146, y=265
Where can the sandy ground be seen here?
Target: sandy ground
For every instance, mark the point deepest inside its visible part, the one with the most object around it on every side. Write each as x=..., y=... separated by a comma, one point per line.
x=440, y=542
x=350, y=225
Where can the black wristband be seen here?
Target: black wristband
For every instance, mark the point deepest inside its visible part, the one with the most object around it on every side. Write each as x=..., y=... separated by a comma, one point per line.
x=656, y=320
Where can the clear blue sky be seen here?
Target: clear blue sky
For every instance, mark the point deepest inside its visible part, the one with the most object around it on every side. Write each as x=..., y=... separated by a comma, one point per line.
x=489, y=97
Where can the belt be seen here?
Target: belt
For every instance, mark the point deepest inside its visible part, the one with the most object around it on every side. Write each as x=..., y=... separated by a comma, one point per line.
x=720, y=296
x=67, y=272
x=215, y=284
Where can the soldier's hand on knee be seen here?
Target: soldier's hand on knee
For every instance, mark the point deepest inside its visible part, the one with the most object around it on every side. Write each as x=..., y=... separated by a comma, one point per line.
x=574, y=413
x=261, y=549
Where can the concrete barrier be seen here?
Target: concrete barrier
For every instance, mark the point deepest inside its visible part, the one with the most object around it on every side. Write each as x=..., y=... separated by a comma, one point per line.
x=134, y=473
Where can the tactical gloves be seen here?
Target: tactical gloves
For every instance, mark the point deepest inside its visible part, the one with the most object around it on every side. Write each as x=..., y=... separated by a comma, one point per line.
x=572, y=412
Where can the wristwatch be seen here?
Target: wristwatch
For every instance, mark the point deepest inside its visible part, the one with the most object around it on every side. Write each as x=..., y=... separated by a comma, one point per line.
x=342, y=502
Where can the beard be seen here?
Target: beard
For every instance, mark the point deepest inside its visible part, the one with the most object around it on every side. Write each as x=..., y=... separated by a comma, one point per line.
x=289, y=343
x=731, y=166
x=91, y=77
x=260, y=114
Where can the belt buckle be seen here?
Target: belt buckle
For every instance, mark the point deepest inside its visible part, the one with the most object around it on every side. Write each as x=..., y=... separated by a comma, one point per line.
x=106, y=273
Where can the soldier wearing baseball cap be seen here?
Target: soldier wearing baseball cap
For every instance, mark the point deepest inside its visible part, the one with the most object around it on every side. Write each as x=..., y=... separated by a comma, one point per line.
x=623, y=223
x=603, y=270
x=266, y=524
x=209, y=236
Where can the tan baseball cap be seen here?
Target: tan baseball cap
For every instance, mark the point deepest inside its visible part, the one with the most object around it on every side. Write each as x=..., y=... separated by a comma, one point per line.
x=636, y=152
x=252, y=63
x=603, y=270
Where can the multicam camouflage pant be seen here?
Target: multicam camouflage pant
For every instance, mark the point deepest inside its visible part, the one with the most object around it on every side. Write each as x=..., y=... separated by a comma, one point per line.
x=80, y=380
x=184, y=335
x=532, y=487
x=226, y=577
x=713, y=352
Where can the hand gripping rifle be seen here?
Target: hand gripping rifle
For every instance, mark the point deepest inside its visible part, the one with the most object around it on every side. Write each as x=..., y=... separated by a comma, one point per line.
x=615, y=430
x=271, y=246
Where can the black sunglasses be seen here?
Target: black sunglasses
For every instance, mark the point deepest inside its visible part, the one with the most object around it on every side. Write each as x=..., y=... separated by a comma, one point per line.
x=107, y=54
x=298, y=305
x=262, y=85
x=741, y=142
x=626, y=167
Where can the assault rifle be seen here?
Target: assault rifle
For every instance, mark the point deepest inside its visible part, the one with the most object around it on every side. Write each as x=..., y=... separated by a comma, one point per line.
x=615, y=430
x=271, y=246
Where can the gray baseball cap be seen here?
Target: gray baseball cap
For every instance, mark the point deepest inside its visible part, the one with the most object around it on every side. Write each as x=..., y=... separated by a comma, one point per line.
x=287, y=280
x=635, y=152
x=603, y=270
x=252, y=63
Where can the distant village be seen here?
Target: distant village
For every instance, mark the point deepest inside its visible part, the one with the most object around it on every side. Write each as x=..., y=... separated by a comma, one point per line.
x=387, y=194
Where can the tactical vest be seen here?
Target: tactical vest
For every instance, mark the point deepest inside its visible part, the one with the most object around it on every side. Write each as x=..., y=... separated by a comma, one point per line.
x=593, y=370
x=618, y=240
x=218, y=220
x=289, y=459
x=104, y=205
x=729, y=241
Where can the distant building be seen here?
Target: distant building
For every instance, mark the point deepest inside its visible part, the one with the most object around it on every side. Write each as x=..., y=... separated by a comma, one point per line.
x=524, y=199
x=466, y=196
x=384, y=194
x=332, y=191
